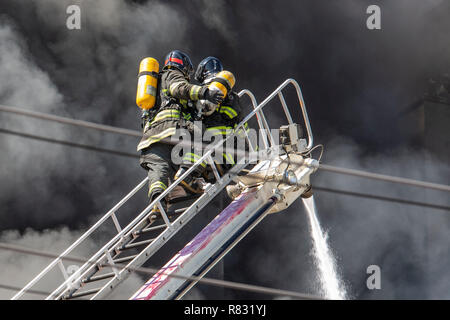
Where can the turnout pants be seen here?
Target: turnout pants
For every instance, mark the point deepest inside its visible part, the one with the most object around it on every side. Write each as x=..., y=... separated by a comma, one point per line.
x=156, y=159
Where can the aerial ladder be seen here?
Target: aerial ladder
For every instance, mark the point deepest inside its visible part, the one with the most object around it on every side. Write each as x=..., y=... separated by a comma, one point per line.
x=281, y=175
x=271, y=186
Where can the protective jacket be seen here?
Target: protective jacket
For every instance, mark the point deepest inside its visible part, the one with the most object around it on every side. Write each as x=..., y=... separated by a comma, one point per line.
x=175, y=111
x=224, y=120
x=226, y=117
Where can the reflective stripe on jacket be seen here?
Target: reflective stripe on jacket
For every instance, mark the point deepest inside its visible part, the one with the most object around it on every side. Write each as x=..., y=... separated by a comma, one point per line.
x=173, y=112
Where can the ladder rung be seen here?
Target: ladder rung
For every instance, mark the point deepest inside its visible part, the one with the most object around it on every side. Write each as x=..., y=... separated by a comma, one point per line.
x=169, y=214
x=185, y=198
x=178, y=211
x=99, y=277
x=136, y=244
x=144, y=230
x=82, y=294
x=120, y=260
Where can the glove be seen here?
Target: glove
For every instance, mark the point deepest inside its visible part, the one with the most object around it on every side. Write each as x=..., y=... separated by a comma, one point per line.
x=205, y=107
x=215, y=96
x=209, y=108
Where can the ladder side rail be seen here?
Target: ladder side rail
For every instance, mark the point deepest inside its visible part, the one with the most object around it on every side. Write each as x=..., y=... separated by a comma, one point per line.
x=226, y=249
x=79, y=240
x=116, y=240
x=89, y=264
x=207, y=156
x=168, y=233
x=129, y=227
x=185, y=174
x=158, y=242
x=197, y=251
x=258, y=116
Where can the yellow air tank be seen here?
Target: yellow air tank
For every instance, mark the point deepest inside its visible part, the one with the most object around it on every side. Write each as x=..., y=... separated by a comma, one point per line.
x=147, y=83
x=223, y=81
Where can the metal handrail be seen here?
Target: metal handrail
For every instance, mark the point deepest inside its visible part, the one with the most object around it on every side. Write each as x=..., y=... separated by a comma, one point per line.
x=302, y=105
x=142, y=215
x=259, y=116
x=157, y=201
x=81, y=239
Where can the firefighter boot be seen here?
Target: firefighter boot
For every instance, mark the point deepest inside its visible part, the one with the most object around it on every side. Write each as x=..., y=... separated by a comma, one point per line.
x=192, y=182
x=155, y=213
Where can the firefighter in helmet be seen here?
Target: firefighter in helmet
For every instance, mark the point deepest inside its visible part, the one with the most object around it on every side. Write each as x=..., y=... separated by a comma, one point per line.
x=175, y=90
x=222, y=118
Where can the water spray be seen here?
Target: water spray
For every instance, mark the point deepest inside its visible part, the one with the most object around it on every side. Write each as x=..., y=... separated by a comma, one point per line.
x=330, y=282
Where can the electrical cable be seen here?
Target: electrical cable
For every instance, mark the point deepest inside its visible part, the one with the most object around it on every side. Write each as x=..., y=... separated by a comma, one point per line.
x=120, y=153
x=65, y=120
x=145, y=270
x=383, y=198
x=13, y=288
x=68, y=143
x=324, y=167
x=383, y=177
x=134, y=133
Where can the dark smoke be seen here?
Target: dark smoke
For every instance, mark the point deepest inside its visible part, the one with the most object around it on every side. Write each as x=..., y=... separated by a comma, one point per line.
x=357, y=84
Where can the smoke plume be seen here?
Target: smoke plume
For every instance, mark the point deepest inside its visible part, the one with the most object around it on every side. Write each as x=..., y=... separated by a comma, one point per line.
x=356, y=83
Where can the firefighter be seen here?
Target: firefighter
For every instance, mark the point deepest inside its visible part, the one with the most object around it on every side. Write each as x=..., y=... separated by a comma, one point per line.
x=175, y=90
x=219, y=119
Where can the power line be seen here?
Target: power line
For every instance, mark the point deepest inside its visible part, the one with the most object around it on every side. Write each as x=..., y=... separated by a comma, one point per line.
x=111, y=129
x=259, y=177
x=79, y=123
x=135, y=133
x=126, y=154
x=13, y=288
x=152, y=271
x=68, y=143
x=383, y=177
x=383, y=198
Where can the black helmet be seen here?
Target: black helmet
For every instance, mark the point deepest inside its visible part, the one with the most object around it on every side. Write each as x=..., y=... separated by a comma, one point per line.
x=207, y=67
x=179, y=60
